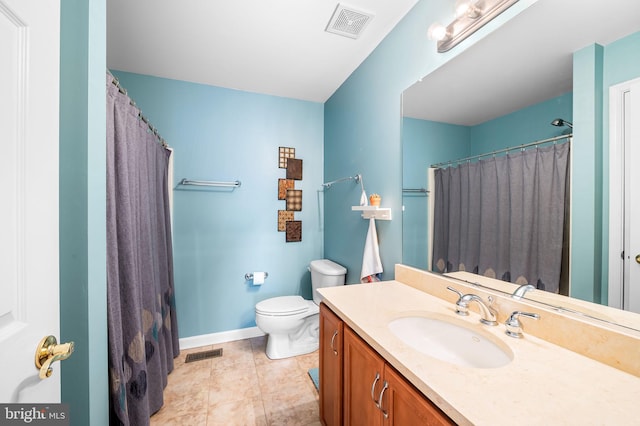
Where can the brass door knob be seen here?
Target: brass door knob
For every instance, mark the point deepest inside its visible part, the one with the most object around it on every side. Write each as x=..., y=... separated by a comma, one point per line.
x=637, y=258
x=48, y=352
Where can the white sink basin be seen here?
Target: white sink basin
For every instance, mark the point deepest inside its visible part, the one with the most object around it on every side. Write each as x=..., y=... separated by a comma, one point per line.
x=449, y=342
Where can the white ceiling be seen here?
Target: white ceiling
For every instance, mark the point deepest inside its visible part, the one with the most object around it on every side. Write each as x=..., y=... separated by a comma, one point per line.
x=526, y=61
x=276, y=47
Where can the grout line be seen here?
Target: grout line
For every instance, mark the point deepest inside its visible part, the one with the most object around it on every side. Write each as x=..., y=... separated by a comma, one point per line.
x=299, y=368
x=254, y=354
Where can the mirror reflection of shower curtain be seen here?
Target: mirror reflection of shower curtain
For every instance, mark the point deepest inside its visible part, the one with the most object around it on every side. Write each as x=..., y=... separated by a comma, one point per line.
x=431, y=188
x=141, y=317
x=503, y=217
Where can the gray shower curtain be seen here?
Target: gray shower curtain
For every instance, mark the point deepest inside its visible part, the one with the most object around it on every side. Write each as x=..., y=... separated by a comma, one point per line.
x=143, y=334
x=503, y=217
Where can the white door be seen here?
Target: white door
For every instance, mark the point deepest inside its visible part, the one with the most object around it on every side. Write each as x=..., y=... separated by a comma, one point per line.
x=624, y=263
x=29, y=292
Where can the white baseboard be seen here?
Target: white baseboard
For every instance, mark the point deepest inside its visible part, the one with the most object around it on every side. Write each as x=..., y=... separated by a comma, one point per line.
x=222, y=337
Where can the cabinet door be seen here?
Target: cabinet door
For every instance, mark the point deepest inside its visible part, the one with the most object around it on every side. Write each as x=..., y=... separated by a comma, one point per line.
x=402, y=404
x=363, y=381
x=331, y=329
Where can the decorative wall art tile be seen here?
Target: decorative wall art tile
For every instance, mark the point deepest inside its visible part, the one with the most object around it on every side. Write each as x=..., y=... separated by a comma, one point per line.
x=287, y=192
x=284, y=154
x=294, y=169
x=294, y=199
x=283, y=185
x=284, y=216
x=294, y=231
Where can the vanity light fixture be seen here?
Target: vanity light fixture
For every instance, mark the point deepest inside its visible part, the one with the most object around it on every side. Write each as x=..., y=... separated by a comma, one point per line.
x=471, y=15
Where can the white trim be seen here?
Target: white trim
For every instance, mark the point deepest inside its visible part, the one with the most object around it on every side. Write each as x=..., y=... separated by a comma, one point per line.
x=616, y=188
x=221, y=337
x=616, y=191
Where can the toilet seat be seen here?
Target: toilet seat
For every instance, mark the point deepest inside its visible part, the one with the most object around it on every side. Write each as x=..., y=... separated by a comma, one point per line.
x=283, y=306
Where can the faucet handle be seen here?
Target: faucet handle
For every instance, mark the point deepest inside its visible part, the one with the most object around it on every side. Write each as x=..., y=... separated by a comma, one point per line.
x=513, y=324
x=461, y=307
x=490, y=300
x=459, y=293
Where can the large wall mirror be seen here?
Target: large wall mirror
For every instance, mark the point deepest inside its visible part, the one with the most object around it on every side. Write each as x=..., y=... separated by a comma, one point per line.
x=504, y=91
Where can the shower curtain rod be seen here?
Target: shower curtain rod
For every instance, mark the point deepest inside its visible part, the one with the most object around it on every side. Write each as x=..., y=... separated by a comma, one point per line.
x=144, y=119
x=499, y=151
x=357, y=178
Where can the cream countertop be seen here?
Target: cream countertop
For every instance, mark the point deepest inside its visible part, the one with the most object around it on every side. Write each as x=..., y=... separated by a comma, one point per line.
x=544, y=384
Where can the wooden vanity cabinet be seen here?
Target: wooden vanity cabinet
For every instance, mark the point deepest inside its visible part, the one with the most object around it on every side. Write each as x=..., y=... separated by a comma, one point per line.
x=373, y=393
x=407, y=406
x=363, y=377
x=331, y=335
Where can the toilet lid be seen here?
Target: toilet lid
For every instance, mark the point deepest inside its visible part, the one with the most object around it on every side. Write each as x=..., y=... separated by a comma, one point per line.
x=283, y=305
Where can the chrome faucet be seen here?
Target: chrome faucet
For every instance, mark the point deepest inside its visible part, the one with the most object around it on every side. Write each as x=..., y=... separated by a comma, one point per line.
x=487, y=316
x=513, y=324
x=522, y=290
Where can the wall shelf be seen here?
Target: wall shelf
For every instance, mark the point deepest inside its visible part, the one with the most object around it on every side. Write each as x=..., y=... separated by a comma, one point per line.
x=375, y=212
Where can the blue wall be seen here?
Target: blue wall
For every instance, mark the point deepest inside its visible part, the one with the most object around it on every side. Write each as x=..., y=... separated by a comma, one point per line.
x=219, y=235
x=83, y=310
x=359, y=137
x=523, y=126
x=363, y=132
x=586, y=189
x=361, y=119
x=424, y=143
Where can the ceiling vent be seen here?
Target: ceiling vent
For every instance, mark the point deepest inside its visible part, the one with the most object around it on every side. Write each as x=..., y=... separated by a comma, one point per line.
x=348, y=22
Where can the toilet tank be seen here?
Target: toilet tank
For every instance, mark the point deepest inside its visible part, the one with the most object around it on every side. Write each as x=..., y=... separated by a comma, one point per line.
x=325, y=273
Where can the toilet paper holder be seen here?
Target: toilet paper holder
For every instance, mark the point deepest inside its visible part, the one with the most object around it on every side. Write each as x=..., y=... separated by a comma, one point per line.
x=249, y=276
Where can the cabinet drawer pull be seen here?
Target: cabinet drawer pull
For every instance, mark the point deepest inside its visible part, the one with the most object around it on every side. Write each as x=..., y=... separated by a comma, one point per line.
x=384, y=388
x=335, y=334
x=373, y=388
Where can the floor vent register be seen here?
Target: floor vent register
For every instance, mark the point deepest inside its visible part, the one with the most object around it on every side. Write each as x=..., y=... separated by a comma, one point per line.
x=199, y=356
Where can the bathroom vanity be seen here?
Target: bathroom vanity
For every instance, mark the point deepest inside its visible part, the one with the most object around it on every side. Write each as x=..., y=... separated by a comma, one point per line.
x=348, y=366
x=370, y=373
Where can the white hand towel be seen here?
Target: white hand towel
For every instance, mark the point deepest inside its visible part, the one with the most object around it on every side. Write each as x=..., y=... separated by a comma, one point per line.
x=364, y=201
x=371, y=264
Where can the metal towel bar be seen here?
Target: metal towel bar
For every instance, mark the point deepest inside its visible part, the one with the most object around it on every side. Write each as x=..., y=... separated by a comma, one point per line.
x=234, y=184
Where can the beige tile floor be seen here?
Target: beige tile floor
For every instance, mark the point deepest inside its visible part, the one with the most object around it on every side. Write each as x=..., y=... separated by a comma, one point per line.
x=243, y=387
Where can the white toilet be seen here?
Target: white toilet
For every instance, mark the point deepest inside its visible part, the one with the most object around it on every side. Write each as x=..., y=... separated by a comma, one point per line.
x=291, y=322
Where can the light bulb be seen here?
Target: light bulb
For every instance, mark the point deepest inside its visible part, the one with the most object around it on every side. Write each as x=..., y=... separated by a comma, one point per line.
x=437, y=31
x=468, y=8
